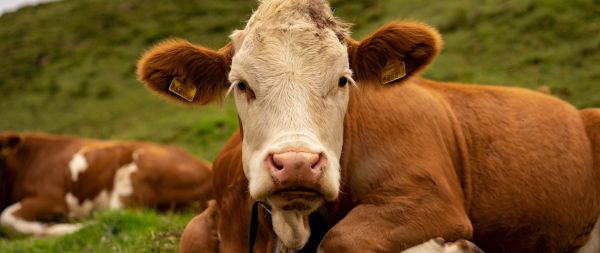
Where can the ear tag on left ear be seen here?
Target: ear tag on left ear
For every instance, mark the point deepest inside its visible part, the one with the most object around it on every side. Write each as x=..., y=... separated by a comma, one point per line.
x=186, y=92
x=394, y=70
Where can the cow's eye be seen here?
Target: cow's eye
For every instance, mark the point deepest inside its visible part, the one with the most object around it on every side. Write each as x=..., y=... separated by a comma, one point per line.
x=343, y=81
x=244, y=88
x=241, y=86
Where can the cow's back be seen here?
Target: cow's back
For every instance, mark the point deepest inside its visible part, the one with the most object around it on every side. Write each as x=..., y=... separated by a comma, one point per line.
x=532, y=185
x=169, y=176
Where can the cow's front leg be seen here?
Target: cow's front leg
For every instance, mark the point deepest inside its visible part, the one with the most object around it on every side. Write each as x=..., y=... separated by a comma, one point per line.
x=29, y=216
x=396, y=227
x=200, y=234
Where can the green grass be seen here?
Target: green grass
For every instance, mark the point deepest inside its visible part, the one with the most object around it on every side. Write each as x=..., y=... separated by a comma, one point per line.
x=117, y=231
x=68, y=67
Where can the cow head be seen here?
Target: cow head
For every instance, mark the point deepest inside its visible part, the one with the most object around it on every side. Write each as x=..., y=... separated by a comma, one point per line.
x=9, y=141
x=10, y=144
x=290, y=71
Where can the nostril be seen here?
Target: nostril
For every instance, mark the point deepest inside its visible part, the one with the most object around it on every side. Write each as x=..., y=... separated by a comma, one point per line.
x=318, y=163
x=275, y=163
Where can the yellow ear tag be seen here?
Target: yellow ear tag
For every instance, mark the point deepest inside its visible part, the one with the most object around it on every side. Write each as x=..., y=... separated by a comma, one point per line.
x=186, y=92
x=394, y=70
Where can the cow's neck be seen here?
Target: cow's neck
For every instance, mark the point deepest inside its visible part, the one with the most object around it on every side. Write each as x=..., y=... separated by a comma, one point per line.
x=388, y=123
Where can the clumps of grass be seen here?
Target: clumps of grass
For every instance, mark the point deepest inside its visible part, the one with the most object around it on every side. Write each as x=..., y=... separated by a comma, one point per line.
x=116, y=231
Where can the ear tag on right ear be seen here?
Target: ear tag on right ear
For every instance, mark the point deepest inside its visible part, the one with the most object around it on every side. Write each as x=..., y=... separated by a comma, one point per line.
x=394, y=70
x=186, y=92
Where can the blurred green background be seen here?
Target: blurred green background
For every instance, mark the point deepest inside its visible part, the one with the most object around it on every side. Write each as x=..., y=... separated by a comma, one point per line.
x=68, y=67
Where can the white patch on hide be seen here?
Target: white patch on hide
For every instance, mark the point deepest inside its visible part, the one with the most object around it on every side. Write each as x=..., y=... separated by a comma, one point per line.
x=20, y=226
x=122, y=186
x=77, y=165
x=62, y=229
x=84, y=209
x=77, y=210
x=102, y=200
x=7, y=219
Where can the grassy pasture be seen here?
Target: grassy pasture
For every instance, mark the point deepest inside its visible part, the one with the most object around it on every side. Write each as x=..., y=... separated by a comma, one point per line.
x=68, y=67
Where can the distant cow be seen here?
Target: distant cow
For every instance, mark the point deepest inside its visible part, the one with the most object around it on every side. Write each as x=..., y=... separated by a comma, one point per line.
x=45, y=180
x=387, y=166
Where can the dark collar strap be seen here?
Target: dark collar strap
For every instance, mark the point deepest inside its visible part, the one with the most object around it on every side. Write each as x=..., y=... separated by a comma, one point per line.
x=254, y=223
x=253, y=226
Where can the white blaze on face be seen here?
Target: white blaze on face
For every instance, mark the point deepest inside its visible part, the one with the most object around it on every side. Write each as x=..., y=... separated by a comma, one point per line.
x=291, y=57
x=292, y=65
x=78, y=164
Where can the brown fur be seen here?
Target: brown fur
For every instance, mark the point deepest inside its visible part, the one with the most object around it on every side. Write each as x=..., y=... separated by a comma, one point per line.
x=36, y=169
x=509, y=168
x=201, y=232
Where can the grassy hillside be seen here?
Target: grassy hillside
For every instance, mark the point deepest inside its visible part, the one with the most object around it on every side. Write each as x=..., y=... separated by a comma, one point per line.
x=68, y=67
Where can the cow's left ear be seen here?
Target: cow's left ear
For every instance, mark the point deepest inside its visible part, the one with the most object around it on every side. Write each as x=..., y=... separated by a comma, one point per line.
x=395, y=52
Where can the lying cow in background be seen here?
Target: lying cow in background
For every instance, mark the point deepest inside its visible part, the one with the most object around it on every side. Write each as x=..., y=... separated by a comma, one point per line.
x=387, y=166
x=45, y=180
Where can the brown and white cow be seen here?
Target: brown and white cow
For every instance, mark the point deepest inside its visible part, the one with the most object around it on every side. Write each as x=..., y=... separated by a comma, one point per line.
x=389, y=165
x=47, y=180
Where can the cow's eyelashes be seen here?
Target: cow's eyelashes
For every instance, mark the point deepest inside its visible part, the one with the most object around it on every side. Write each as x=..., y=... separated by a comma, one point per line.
x=244, y=88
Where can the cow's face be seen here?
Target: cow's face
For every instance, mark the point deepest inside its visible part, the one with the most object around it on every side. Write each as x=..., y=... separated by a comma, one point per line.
x=9, y=142
x=290, y=71
x=290, y=79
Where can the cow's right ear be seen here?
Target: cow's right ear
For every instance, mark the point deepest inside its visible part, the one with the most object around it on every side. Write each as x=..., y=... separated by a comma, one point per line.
x=185, y=72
